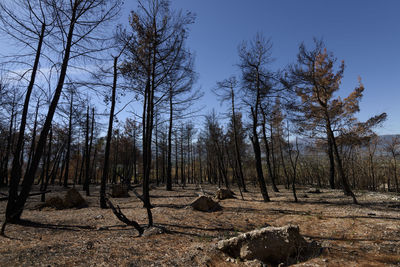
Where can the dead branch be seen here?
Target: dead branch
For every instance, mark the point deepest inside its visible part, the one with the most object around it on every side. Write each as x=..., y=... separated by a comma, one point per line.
x=118, y=213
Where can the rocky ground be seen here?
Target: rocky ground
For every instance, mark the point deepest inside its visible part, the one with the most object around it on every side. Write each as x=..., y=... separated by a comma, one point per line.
x=350, y=235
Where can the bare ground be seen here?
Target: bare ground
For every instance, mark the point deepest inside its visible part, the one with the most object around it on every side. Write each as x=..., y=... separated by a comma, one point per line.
x=351, y=235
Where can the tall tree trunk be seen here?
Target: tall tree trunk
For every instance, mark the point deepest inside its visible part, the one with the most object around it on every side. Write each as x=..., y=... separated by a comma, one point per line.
x=103, y=201
x=42, y=172
x=273, y=159
x=183, y=180
x=135, y=178
x=32, y=148
x=88, y=147
x=238, y=156
x=68, y=155
x=16, y=170
x=62, y=171
x=115, y=161
x=188, y=158
x=176, y=160
x=156, y=156
x=56, y=164
x=257, y=154
x=148, y=111
x=284, y=165
x=169, y=150
x=396, y=181
x=346, y=187
x=200, y=165
x=47, y=177
x=79, y=165
x=16, y=202
x=4, y=169
x=331, y=164
x=268, y=152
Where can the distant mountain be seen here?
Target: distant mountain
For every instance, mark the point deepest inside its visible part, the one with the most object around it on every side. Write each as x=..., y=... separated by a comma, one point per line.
x=387, y=138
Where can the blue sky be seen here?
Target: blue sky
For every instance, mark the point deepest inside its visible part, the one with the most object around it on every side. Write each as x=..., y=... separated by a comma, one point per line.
x=366, y=34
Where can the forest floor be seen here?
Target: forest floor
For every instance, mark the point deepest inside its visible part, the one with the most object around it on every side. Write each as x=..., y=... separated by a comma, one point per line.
x=351, y=235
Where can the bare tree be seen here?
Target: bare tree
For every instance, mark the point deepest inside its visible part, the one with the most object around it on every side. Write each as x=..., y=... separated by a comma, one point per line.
x=226, y=90
x=256, y=83
x=76, y=22
x=180, y=98
x=103, y=199
x=28, y=27
x=393, y=147
x=154, y=46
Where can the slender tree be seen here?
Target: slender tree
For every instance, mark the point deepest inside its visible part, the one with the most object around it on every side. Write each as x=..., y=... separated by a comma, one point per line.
x=226, y=90
x=75, y=28
x=392, y=146
x=256, y=84
x=103, y=202
x=154, y=47
x=28, y=27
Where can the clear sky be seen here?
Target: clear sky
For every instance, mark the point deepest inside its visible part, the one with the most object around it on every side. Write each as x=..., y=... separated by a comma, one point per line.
x=364, y=33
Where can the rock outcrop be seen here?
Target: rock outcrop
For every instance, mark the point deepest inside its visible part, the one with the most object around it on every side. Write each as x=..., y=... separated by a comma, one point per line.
x=204, y=203
x=73, y=199
x=271, y=245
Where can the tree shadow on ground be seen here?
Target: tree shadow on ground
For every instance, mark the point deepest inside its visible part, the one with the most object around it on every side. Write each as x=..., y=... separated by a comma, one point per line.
x=184, y=230
x=306, y=213
x=173, y=196
x=176, y=229
x=241, y=210
x=64, y=227
x=213, y=229
x=383, y=206
x=351, y=239
x=170, y=206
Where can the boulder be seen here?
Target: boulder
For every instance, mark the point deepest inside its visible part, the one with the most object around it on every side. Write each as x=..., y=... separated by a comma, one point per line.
x=224, y=194
x=204, y=203
x=119, y=190
x=73, y=199
x=271, y=245
x=54, y=202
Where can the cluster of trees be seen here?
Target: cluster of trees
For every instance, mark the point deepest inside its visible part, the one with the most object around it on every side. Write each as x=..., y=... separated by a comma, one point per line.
x=282, y=127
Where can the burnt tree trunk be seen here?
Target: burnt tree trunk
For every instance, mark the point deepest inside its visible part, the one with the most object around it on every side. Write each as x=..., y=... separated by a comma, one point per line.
x=257, y=155
x=331, y=164
x=268, y=153
x=16, y=202
x=103, y=200
x=68, y=155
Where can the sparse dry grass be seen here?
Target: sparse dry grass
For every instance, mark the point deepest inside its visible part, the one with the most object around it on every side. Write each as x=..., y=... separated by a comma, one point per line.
x=352, y=235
